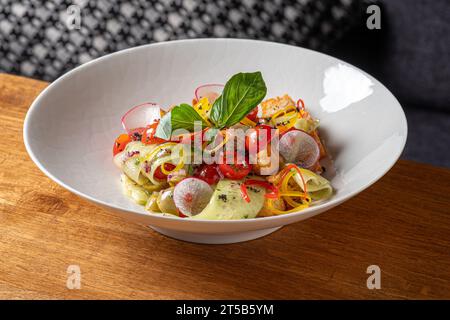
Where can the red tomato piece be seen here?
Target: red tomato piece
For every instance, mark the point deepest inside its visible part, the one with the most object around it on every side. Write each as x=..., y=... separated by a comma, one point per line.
x=159, y=174
x=120, y=143
x=253, y=115
x=258, y=137
x=148, y=135
x=208, y=173
x=234, y=171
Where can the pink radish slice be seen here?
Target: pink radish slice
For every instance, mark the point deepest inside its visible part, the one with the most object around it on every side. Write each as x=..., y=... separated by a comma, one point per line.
x=298, y=147
x=141, y=116
x=191, y=195
x=211, y=91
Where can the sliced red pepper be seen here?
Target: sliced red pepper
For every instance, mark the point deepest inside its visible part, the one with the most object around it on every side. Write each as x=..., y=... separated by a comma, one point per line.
x=148, y=135
x=272, y=194
x=300, y=104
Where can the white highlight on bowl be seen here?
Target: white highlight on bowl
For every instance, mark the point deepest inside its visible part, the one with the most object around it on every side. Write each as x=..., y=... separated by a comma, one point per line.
x=343, y=86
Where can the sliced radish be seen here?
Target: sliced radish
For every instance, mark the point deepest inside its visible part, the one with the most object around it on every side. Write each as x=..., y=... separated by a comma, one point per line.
x=298, y=147
x=211, y=91
x=191, y=195
x=141, y=116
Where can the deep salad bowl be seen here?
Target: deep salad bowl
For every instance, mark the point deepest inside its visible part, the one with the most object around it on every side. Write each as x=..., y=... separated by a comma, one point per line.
x=69, y=127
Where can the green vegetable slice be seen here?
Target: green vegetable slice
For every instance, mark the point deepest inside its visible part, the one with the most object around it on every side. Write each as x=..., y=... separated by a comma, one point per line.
x=242, y=93
x=183, y=116
x=227, y=202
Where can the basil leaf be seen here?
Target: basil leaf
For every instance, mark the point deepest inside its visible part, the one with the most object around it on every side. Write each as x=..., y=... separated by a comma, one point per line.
x=241, y=94
x=180, y=117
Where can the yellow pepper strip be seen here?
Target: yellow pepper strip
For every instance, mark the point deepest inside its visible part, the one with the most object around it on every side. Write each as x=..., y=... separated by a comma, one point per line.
x=202, y=107
x=159, y=148
x=220, y=145
x=248, y=122
x=288, y=194
x=277, y=211
x=287, y=197
x=178, y=167
x=290, y=113
x=290, y=124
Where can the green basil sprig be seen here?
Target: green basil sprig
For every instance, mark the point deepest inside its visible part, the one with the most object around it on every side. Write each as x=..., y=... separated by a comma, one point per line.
x=241, y=94
x=180, y=117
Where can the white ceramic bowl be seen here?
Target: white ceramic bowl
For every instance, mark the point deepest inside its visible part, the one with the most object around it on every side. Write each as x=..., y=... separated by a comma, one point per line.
x=70, y=127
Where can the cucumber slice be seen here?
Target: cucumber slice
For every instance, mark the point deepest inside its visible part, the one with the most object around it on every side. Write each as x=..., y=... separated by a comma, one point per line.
x=227, y=202
x=119, y=159
x=165, y=201
x=132, y=168
x=317, y=186
x=152, y=204
x=138, y=194
x=137, y=148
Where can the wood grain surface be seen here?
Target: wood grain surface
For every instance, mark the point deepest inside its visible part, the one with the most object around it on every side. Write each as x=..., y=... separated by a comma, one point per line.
x=401, y=224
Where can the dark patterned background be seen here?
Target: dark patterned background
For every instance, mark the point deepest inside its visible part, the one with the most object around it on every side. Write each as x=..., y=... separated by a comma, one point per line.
x=35, y=40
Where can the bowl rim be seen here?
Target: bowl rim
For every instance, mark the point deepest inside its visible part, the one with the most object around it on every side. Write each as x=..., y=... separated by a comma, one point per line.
x=326, y=205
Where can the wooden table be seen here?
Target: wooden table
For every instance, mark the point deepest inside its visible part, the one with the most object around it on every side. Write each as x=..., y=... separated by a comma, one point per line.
x=401, y=224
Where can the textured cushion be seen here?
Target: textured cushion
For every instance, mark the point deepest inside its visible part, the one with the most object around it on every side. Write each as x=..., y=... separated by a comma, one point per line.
x=428, y=136
x=416, y=57
x=36, y=42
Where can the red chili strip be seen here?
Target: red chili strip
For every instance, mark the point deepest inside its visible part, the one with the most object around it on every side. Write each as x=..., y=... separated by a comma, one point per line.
x=272, y=193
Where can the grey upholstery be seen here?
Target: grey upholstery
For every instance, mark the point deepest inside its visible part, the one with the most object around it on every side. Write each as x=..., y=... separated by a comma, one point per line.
x=411, y=56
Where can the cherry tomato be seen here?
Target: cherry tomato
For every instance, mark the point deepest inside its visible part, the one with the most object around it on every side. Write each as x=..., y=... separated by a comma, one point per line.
x=252, y=115
x=208, y=173
x=159, y=174
x=120, y=143
x=257, y=137
x=235, y=171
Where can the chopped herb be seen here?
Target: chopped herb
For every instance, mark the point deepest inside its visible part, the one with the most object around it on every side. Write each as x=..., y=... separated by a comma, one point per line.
x=253, y=189
x=137, y=136
x=223, y=197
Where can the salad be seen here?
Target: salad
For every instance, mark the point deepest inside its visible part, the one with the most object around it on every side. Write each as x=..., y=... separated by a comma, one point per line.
x=229, y=154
